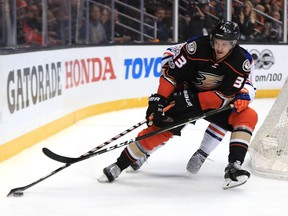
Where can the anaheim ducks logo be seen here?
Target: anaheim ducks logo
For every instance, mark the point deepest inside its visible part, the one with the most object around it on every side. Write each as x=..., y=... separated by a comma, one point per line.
x=246, y=66
x=208, y=81
x=191, y=47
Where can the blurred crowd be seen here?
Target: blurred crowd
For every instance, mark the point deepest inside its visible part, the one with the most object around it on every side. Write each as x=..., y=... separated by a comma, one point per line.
x=68, y=22
x=259, y=20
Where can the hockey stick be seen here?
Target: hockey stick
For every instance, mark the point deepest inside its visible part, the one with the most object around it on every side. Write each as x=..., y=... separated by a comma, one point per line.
x=71, y=160
x=19, y=191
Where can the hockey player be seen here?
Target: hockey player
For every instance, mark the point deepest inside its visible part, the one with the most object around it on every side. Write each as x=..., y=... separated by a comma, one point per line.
x=204, y=74
x=213, y=134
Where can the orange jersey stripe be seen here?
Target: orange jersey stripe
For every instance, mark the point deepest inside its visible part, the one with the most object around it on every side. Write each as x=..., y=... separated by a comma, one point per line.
x=165, y=88
x=233, y=68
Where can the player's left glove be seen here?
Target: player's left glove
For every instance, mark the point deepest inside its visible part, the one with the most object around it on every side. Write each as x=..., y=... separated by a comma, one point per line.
x=241, y=100
x=185, y=101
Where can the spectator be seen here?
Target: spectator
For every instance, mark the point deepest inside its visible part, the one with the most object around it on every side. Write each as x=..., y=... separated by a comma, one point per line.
x=58, y=23
x=267, y=6
x=106, y=22
x=32, y=26
x=260, y=24
x=217, y=8
x=268, y=34
x=280, y=3
x=276, y=8
x=246, y=19
x=78, y=31
x=54, y=37
x=133, y=24
x=260, y=18
x=164, y=32
x=120, y=33
x=97, y=32
x=276, y=24
x=197, y=22
x=21, y=17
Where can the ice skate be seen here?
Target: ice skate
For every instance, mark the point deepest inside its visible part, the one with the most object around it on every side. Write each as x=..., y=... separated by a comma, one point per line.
x=196, y=161
x=110, y=173
x=235, y=175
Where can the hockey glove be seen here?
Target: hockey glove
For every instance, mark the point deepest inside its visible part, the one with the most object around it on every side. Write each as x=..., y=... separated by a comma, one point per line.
x=154, y=113
x=241, y=100
x=185, y=101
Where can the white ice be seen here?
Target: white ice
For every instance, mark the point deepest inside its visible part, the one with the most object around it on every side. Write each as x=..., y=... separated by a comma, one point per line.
x=159, y=188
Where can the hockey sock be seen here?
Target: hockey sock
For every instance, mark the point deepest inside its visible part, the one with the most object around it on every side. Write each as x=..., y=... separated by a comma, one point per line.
x=212, y=137
x=130, y=155
x=238, y=146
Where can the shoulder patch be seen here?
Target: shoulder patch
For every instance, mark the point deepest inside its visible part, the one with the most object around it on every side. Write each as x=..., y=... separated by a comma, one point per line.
x=191, y=47
x=246, y=66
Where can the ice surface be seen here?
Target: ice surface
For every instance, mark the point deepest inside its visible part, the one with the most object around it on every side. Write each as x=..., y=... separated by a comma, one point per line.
x=160, y=187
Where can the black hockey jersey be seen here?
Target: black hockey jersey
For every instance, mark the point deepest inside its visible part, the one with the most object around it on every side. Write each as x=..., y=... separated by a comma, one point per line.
x=194, y=63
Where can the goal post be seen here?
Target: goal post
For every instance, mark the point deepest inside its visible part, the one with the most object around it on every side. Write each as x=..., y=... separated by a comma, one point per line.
x=269, y=147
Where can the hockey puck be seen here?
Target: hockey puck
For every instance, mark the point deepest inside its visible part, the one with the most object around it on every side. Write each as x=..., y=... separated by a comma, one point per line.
x=18, y=194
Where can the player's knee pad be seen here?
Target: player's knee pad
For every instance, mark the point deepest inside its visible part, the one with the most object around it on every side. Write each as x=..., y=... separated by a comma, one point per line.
x=151, y=142
x=247, y=117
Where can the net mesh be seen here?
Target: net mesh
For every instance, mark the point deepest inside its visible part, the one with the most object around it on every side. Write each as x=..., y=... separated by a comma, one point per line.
x=269, y=147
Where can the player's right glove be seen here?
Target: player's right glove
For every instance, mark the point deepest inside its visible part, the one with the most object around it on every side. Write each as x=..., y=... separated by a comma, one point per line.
x=154, y=113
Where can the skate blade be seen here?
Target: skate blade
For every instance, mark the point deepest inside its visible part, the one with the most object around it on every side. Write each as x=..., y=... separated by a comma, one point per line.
x=228, y=183
x=102, y=179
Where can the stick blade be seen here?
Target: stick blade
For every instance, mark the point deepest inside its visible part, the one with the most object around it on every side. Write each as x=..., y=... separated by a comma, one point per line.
x=57, y=157
x=16, y=192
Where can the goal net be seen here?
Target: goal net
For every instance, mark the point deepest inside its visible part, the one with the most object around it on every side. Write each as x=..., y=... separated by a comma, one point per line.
x=269, y=147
